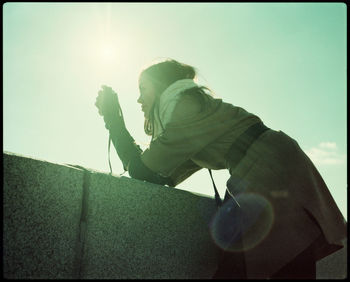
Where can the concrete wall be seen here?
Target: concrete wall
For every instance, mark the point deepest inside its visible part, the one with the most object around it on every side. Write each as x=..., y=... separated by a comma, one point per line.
x=67, y=222
x=64, y=222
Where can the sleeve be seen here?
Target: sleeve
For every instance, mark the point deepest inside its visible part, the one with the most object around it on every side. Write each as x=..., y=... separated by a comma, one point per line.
x=184, y=171
x=190, y=129
x=124, y=144
x=138, y=170
x=129, y=153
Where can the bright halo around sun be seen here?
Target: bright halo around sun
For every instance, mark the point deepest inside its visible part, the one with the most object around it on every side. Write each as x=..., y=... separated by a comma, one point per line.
x=107, y=52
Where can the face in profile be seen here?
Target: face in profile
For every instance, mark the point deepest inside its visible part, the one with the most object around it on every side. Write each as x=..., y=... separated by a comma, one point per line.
x=147, y=95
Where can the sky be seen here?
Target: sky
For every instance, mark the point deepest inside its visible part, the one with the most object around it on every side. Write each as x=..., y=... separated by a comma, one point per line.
x=285, y=62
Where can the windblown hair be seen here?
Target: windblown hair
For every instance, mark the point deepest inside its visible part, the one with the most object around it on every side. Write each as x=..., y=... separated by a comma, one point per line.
x=162, y=75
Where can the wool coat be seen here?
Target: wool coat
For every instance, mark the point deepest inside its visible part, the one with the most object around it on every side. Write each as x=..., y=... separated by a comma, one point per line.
x=196, y=131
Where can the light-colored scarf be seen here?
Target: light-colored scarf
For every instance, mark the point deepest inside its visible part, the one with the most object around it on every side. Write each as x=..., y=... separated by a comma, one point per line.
x=168, y=101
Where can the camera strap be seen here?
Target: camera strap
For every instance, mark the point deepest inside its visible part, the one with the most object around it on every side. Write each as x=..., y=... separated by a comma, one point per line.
x=109, y=153
x=217, y=195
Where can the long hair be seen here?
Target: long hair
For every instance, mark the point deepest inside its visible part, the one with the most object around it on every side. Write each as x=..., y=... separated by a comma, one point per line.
x=162, y=75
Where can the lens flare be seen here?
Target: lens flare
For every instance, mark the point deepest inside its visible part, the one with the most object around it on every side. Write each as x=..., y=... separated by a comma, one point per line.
x=252, y=221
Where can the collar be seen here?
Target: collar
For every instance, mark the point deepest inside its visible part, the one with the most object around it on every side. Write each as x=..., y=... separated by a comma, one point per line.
x=177, y=87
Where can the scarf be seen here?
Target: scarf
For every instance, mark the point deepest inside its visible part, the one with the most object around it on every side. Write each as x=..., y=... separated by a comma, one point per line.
x=168, y=101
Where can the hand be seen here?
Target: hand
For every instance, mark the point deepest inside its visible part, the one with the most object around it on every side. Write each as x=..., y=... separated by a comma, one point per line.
x=107, y=102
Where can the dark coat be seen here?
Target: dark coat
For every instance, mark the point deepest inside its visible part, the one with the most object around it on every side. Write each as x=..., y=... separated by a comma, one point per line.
x=275, y=169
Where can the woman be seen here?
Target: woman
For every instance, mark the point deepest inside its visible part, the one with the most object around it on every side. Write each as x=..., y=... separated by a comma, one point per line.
x=283, y=218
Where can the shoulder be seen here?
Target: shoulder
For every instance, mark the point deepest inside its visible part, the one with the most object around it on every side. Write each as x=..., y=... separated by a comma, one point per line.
x=190, y=103
x=189, y=100
x=184, y=105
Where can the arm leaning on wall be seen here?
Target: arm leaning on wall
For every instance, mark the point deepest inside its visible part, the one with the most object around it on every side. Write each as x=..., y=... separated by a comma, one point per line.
x=131, y=154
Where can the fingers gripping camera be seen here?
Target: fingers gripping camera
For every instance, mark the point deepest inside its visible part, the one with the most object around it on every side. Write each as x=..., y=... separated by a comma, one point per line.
x=108, y=105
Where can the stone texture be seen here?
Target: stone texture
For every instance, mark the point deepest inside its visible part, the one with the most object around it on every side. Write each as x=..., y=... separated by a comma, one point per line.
x=41, y=211
x=138, y=230
x=62, y=222
x=333, y=266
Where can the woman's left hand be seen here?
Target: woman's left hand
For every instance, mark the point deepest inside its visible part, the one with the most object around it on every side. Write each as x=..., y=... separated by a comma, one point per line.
x=107, y=102
x=108, y=106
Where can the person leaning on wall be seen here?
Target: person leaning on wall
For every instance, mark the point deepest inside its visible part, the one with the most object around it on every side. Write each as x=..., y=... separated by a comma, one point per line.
x=277, y=218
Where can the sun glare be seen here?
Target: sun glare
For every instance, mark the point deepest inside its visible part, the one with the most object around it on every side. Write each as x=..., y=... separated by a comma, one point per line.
x=107, y=52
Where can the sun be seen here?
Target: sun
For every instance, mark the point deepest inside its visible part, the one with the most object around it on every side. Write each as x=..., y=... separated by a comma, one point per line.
x=107, y=51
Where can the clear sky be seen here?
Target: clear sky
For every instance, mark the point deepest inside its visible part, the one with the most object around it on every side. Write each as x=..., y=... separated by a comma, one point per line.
x=284, y=62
